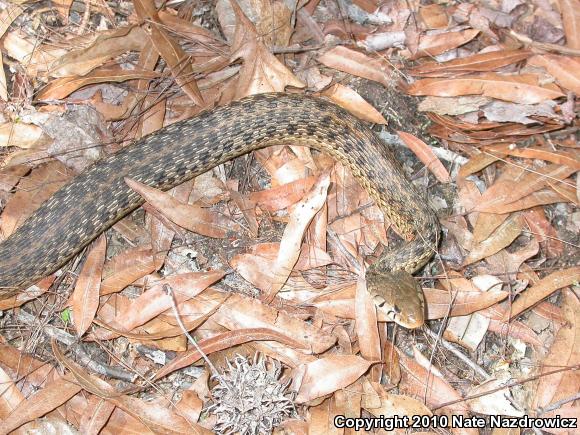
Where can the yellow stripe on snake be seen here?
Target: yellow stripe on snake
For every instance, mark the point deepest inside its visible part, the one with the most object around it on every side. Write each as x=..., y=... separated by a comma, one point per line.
x=99, y=197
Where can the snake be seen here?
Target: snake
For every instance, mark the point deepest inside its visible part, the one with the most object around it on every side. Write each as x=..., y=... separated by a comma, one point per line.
x=99, y=196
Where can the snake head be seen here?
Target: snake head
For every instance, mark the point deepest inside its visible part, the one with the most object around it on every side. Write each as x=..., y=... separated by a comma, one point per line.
x=398, y=296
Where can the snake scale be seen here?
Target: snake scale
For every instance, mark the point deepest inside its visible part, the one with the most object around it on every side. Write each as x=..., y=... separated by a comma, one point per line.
x=98, y=197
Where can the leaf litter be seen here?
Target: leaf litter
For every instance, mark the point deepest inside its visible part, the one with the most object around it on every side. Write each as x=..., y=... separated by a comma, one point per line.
x=497, y=81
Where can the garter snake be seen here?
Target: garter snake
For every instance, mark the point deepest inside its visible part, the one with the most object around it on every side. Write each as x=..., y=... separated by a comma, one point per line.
x=98, y=197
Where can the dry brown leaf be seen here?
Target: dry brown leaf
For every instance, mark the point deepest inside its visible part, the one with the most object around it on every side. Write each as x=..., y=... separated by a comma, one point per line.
x=534, y=199
x=544, y=288
x=50, y=397
x=571, y=20
x=224, y=341
x=494, y=399
x=509, y=189
x=320, y=419
x=32, y=191
x=175, y=57
x=261, y=70
x=32, y=292
x=158, y=418
x=85, y=297
x=502, y=237
x=299, y=219
x=255, y=269
x=161, y=235
x=426, y=155
x=432, y=45
x=523, y=88
x=418, y=381
x=106, y=46
x=569, y=159
x=366, y=326
x=507, y=264
x=564, y=352
x=155, y=300
x=10, y=395
x=95, y=416
x=357, y=64
x=240, y=312
x=434, y=16
x=189, y=216
x=563, y=68
x=125, y=268
x=391, y=405
x=281, y=197
x=481, y=62
x=63, y=87
x=543, y=231
x=462, y=304
x=354, y=103
x=327, y=375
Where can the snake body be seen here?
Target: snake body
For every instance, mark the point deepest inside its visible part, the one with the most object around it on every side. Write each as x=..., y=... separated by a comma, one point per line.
x=98, y=197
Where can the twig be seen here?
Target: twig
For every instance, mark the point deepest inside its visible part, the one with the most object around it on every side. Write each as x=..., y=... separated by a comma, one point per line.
x=558, y=404
x=545, y=46
x=69, y=340
x=451, y=348
x=508, y=385
x=167, y=288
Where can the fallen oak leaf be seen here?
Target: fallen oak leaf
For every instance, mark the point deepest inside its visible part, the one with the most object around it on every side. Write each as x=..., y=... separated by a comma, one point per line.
x=189, y=216
x=523, y=88
x=85, y=297
x=224, y=341
x=544, y=288
x=426, y=155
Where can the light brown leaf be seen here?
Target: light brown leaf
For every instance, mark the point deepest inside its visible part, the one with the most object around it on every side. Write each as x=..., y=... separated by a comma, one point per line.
x=261, y=70
x=189, y=216
x=569, y=159
x=422, y=378
x=50, y=397
x=502, y=237
x=299, y=219
x=544, y=288
x=240, y=312
x=85, y=297
x=32, y=191
x=563, y=68
x=520, y=183
x=571, y=20
x=367, y=327
x=523, y=88
x=357, y=64
x=564, y=352
x=432, y=45
x=125, y=268
x=278, y=198
x=463, y=303
x=107, y=45
x=224, y=341
x=481, y=62
x=426, y=155
x=154, y=301
x=327, y=375
x=391, y=405
x=354, y=103
x=63, y=87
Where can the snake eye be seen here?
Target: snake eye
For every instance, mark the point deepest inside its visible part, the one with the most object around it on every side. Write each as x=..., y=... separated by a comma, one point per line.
x=396, y=309
x=382, y=304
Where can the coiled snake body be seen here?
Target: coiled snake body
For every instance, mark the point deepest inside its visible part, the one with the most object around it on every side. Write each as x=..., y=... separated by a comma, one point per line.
x=99, y=197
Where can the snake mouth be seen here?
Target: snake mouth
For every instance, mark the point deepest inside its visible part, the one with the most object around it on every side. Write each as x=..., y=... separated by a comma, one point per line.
x=392, y=312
